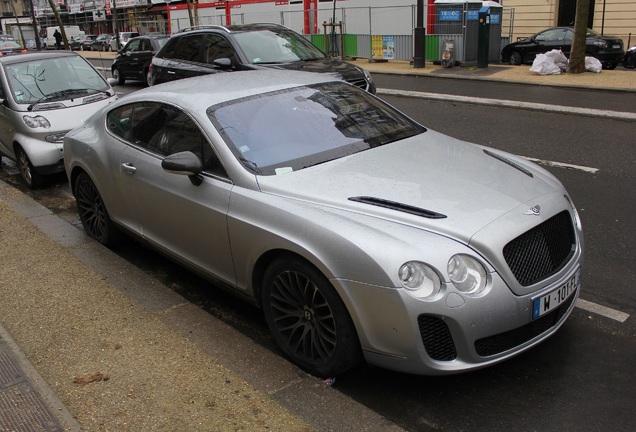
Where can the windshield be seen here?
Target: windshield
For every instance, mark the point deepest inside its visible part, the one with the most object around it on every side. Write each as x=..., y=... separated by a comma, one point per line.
x=276, y=47
x=284, y=131
x=53, y=79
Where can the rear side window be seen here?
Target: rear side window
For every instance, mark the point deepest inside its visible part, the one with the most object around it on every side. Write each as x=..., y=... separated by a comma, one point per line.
x=189, y=48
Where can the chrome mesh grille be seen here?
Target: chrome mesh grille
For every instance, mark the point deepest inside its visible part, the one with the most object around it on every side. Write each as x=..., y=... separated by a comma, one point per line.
x=542, y=251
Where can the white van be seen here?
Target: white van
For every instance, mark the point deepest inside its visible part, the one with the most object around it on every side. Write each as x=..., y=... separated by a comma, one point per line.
x=71, y=32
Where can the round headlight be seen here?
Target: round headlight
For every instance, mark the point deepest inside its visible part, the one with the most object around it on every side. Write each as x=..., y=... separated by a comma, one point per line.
x=467, y=274
x=419, y=278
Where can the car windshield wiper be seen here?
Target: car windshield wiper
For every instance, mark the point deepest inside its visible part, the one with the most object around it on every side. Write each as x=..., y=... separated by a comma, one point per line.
x=62, y=93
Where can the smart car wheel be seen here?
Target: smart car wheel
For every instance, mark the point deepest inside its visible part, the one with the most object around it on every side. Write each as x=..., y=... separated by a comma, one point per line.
x=93, y=213
x=515, y=59
x=117, y=75
x=309, y=321
x=31, y=177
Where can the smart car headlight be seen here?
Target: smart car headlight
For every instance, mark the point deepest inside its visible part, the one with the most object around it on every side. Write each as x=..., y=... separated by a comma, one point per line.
x=419, y=278
x=467, y=274
x=36, y=121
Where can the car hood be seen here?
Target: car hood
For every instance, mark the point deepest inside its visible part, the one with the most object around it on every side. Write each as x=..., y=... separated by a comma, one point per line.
x=431, y=181
x=341, y=70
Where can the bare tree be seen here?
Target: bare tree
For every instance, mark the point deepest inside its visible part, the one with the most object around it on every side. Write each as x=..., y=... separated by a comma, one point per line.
x=58, y=19
x=577, y=55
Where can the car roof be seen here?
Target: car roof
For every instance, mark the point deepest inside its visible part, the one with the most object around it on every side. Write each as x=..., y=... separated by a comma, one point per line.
x=37, y=56
x=201, y=92
x=234, y=28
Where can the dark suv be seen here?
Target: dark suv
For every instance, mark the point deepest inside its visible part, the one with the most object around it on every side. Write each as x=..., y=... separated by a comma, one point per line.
x=210, y=49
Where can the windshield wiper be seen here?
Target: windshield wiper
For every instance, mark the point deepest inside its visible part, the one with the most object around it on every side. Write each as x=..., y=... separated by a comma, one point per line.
x=62, y=93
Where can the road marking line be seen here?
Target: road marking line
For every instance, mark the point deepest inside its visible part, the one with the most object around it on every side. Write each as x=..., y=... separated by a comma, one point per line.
x=616, y=115
x=563, y=165
x=602, y=310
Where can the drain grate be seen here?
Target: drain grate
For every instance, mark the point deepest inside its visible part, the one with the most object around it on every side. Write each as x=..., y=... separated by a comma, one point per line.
x=21, y=408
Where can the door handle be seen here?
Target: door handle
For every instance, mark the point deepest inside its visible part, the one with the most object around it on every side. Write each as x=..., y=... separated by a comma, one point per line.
x=128, y=167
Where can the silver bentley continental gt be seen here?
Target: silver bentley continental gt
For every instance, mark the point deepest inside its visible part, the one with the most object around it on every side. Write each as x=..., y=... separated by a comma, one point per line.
x=360, y=233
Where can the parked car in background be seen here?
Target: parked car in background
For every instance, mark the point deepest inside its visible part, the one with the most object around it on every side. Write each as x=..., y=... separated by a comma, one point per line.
x=607, y=49
x=629, y=61
x=359, y=232
x=124, y=37
x=102, y=42
x=9, y=47
x=70, y=31
x=211, y=49
x=82, y=42
x=133, y=62
x=43, y=96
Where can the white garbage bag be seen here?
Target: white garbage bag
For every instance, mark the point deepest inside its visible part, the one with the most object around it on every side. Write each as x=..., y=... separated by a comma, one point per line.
x=543, y=65
x=593, y=65
x=558, y=58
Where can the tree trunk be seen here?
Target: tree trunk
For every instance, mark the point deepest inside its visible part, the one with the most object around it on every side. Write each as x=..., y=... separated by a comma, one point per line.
x=577, y=55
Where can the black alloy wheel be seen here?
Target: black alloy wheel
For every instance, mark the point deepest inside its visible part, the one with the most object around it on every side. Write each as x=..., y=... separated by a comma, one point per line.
x=307, y=318
x=31, y=177
x=93, y=213
x=515, y=58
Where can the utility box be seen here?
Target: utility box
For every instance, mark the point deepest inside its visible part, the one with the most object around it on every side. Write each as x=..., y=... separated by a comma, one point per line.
x=461, y=18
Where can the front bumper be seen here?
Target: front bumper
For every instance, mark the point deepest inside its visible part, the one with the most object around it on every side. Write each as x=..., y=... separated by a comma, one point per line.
x=454, y=333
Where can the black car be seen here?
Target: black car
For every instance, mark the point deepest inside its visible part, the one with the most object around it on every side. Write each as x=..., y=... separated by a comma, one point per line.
x=629, y=61
x=82, y=42
x=607, y=49
x=211, y=49
x=133, y=61
x=102, y=43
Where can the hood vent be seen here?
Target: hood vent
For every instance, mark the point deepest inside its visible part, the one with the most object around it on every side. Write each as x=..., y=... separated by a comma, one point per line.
x=399, y=207
x=509, y=162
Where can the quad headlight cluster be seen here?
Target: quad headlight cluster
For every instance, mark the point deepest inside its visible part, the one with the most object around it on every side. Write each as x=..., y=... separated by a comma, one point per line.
x=36, y=121
x=466, y=273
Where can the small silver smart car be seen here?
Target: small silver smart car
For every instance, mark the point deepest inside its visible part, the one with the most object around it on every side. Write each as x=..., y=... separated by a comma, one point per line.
x=359, y=232
x=42, y=97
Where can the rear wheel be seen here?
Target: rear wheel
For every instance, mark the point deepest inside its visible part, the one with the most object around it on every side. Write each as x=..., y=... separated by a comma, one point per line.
x=515, y=59
x=92, y=212
x=31, y=177
x=307, y=318
x=149, y=78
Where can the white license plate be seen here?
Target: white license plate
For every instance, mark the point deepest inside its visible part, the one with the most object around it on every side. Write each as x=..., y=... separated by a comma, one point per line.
x=553, y=299
x=616, y=46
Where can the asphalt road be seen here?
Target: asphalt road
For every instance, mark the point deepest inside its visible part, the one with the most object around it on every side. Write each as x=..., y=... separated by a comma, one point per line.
x=583, y=378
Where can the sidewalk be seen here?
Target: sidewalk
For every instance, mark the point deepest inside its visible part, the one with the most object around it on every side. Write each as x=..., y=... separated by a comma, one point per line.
x=89, y=342
x=617, y=79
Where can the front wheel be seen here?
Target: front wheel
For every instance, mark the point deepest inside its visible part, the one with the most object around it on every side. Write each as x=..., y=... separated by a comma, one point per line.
x=31, y=177
x=515, y=59
x=92, y=212
x=117, y=75
x=307, y=318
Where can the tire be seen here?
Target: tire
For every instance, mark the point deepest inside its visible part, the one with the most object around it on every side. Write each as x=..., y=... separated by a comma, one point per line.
x=149, y=80
x=92, y=212
x=307, y=318
x=108, y=48
x=515, y=59
x=610, y=66
x=117, y=75
x=31, y=177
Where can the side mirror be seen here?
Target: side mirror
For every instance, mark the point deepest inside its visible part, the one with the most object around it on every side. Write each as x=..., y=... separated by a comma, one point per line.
x=223, y=63
x=184, y=163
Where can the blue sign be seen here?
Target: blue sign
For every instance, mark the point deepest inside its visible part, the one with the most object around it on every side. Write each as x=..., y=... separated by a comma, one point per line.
x=450, y=15
x=495, y=19
x=472, y=15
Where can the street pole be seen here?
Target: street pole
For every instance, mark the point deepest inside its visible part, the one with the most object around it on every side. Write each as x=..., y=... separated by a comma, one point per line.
x=419, y=38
